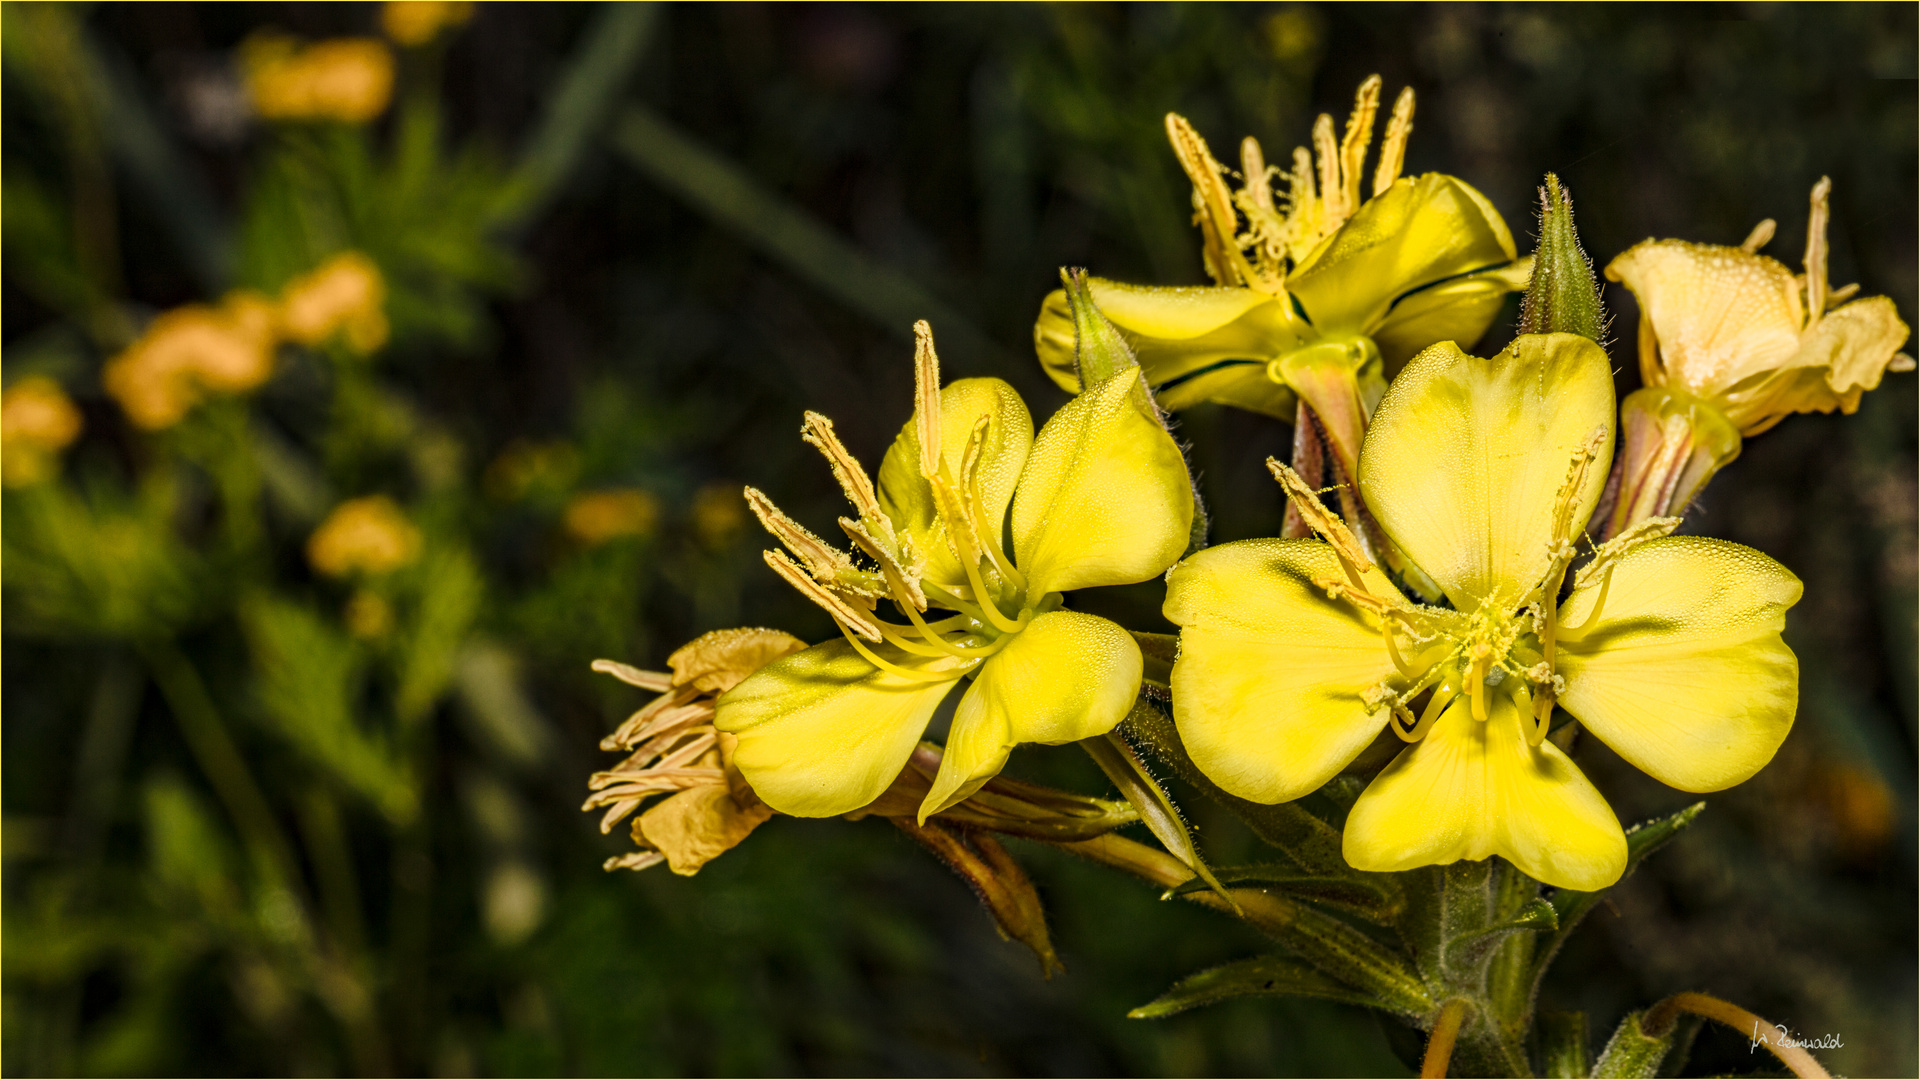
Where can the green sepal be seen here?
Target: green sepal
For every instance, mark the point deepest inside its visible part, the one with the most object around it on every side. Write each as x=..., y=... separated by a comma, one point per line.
x=1632, y=1052
x=1273, y=976
x=1563, y=295
x=1099, y=350
x=1470, y=948
x=1116, y=758
x=1311, y=843
x=1560, y=1042
x=1360, y=897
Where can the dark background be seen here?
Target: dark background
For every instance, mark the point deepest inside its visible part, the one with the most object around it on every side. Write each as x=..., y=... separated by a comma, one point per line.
x=968, y=153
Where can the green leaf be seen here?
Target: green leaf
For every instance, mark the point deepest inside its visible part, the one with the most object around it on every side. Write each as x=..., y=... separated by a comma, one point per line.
x=1366, y=899
x=1561, y=1039
x=1272, y=976
x=1123, y=766
x=1563, y=296
x=1632, y=1052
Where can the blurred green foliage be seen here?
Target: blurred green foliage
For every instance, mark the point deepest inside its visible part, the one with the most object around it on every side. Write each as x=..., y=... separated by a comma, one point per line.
x=260, y=820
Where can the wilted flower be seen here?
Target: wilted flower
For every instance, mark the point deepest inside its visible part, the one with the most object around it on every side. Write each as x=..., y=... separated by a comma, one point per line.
x=1321, y=294
x=596, y=517
x=1100, y=497
x=345, y=79
x=673, y=750
x=368, y=535
x=1296, y=653
x=1731, y=343
x=37, y=421
x=345, y=294
x=416, y=22
x=189, y=351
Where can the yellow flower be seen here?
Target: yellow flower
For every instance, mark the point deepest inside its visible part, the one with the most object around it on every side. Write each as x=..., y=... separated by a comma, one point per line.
x=37, y=421
x=344, y=294
x=599, y=516
x=1731, y=343
x=368, y=535
x=718, y=514
x=1295, y=654
x=1322, y=294
x=1099, y=497
x=345, y=79
x=415, y=22
x=191, y=350
x=673, y=749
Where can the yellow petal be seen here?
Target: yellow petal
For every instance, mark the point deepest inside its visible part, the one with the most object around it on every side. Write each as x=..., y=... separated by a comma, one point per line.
x=1420, y=231
x=1068, y=676
x=698, y=825
x=1175, y=332
x=1685, y=675
x=1840, y=357
x=1105, y=499
x=908, y=500
x=1266, y=689
x=1719, y=314
x=1241, y=385
x=1473, y=789
x=1465, y=457
x=1459, y=310
x=823, y=732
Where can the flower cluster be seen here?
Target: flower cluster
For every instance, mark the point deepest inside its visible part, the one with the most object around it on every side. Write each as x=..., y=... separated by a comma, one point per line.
x=198, y=349
x=37, y=421
x=1455, y=604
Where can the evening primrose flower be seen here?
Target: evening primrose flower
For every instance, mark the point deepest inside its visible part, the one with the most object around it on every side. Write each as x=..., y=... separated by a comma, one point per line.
x=344, y=295
x=1099, y=497
x=189, y=351
x=1731, y=343
x=346, y=79
x=1323, y=293
x=1295, y=654
x=673, y=750
x=37, y=421
x=595, y=517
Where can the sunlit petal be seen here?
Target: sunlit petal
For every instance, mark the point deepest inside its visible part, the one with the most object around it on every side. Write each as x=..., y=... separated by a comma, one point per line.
x=1465, y=456
x=1474, y=789
x=1685, y=675
x=823, y=732
x=1266, y=690
x=1105, y=499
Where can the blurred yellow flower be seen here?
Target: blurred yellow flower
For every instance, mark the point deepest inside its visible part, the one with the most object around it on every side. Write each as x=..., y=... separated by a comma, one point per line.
x=344, y=79
x=1323, y=294
x=345, y=294
x=596, y=517
x=415, y=22
x=368, y=535
x=719, y=513
x=1731, y=343
x=1295, y=654
x=37, y=421
x=674, y=750
x=189, y=351
x=1100, y=496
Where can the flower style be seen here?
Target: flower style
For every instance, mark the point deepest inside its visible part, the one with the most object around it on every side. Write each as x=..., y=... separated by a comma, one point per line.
x=344, y=295
x=189, y=351
x=1324, y=293
x=1099, y=497
x=1295, y=654
x=673, y=750
x=346, y=79
x=37, y=421
x=1731, y=343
